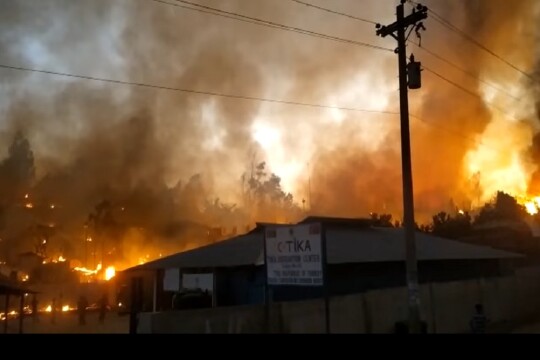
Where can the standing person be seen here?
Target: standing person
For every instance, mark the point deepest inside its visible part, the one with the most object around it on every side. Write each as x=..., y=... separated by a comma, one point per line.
x=479, y=320
x=103, y=306
x=53, y=311
x=35, y=314
x=82, y=304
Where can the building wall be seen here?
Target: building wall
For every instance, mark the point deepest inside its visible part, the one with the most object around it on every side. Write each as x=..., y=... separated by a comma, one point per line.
x=245, y=285
x=445, y=307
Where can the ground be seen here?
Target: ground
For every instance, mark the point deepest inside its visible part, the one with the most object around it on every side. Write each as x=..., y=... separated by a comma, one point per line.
x=67, y=323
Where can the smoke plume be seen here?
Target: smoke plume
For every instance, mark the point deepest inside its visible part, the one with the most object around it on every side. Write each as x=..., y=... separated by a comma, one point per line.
x=161, y=157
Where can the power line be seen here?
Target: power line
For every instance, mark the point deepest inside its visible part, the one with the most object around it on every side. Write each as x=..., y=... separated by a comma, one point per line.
x=240, y=97
x=335, y=12
x=468, y=92
x=441, y=20
x=271, y=24
x=209, y=93
x=210, y=12
x=466, y=72
x=455, y=133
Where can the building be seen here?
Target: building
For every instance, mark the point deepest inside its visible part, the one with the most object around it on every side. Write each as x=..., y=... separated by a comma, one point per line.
x=360, y=258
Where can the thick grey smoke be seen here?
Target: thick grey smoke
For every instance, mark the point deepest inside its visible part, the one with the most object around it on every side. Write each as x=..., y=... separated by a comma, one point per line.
x=138, y=146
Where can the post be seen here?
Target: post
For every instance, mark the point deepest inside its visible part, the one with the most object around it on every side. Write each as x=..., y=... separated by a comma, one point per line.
x=155, y=294
x=398, y=30
x=325, y=279
x=267, y=297
x=408, y=198
x=6, y=312
x=21, y=314
x=214, y=288
x=134, y=305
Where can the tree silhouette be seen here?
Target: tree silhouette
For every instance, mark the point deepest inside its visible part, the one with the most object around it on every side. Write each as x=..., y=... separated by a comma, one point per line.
x=265, y=197
x=504, y=207
x=383, y=220
x=450, y=227
x=101, y=220
x=17, y=171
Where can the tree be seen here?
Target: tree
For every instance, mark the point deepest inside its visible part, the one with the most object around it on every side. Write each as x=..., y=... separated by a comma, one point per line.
x=383, y=220
x=17, y=171
x=265, y=197
x=450, y=227
x=101, y=219
x=503, y=207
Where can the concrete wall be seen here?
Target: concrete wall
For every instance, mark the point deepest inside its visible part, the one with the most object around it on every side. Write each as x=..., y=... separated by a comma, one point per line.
x=445, y=307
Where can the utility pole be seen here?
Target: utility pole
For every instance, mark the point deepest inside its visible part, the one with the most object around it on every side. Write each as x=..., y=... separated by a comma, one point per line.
x=409, y=76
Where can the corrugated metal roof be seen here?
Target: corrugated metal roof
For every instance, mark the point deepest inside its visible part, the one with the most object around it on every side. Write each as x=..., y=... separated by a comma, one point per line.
x=238, y=251
x=344, y=245
x=388, y=244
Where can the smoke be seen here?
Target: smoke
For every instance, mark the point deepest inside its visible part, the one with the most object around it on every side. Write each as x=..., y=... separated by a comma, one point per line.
x=139, y=148
x=463, y=148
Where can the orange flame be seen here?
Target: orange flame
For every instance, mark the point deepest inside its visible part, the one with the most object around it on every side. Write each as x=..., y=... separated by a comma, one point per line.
x=110, y=272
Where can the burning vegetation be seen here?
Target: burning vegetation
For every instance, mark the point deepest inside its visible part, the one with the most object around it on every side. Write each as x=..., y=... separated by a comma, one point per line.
x=97, y=177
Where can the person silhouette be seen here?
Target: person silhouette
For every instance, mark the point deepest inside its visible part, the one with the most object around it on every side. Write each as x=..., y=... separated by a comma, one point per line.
x=35, y=311
x=82, y=304
x=53, y=311
x=103, y=307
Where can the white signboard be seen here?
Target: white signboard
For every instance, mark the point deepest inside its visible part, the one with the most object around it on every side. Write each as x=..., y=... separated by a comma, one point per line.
x=171, y=280
x=294, y=255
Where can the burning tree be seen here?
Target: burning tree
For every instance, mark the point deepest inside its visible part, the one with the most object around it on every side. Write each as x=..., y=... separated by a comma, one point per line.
x=17, y=171
x=451, y=227
x=503, y=207
x=101, y=220
x=264, y=197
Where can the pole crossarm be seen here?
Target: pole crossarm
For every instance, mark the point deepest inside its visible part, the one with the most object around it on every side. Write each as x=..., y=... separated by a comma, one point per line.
x=412, y=19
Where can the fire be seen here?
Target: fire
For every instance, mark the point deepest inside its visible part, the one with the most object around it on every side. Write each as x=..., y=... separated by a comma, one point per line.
x=87, y=271
x=25, y=277
x=143, y=260
x=532, y=205
x=65, y=308
x=48, y=308
x=461, y=212
x=110, y=272
x=59, y=259
x=29, y=205
x=498, y=161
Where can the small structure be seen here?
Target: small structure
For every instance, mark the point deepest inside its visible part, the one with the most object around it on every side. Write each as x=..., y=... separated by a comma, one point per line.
x=8, y=288
x=360, y=258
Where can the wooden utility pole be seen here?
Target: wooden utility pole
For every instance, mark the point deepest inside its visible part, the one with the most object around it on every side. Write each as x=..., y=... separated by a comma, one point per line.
x=398, y=31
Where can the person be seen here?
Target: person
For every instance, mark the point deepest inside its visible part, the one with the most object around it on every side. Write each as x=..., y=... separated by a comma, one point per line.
x=479, y=320
x=103, y=306
x=82, y=304
x=35, y=311
x=53, y=311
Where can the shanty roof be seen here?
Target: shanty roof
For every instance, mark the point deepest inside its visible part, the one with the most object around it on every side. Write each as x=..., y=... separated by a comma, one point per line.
x=348, y=241
x=8, y=286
